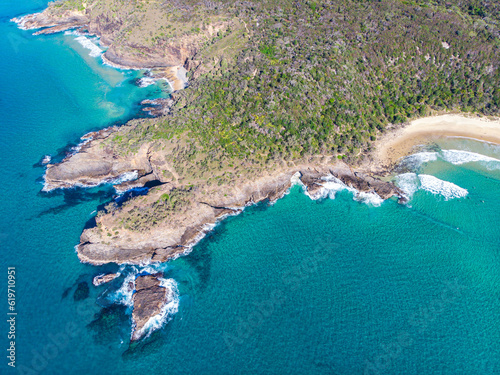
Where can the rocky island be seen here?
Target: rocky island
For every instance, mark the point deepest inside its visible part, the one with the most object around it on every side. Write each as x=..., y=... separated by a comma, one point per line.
x=277, y=92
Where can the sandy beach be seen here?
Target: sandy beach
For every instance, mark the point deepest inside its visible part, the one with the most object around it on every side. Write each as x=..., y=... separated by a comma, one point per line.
x=398, y=143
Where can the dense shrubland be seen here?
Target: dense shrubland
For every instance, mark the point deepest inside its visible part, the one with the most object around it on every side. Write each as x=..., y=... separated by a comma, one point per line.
x=290, y=79
x=318, y=78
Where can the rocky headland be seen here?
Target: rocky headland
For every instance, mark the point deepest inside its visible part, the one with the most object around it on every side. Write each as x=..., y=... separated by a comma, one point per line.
x=170, y=58
x=278, y=95
x=174, y=215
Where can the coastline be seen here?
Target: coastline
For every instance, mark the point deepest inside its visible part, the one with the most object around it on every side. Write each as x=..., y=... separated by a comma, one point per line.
x=205, y=204
x=113, y=240
x=46, y=23
x=401, y=142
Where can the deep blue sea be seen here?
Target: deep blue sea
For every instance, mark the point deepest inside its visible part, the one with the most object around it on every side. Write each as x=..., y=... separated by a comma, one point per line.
x=336, y=285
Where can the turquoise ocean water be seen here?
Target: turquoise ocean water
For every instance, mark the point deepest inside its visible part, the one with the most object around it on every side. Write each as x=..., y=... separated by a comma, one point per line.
x=332, y=286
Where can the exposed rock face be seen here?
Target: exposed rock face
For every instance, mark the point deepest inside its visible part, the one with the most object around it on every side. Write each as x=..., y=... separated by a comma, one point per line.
x=366, y=184
x=104, y=278
x=149, y=299
x=157, y=107
x=94, y=164
x=50, y=22
x=171, y=54
x=174, y=235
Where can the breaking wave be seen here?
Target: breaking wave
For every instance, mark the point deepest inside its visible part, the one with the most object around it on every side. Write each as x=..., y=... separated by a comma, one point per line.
x=124, y=294
x=459, y=157
x=455, y=157
x=88, y=44
x=145, y=81
x=124, y=177
x=411, y=182
x=332, y=185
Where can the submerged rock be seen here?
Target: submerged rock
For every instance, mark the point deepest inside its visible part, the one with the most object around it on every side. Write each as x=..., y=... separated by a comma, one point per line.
x=82, y=291
x=149, y=299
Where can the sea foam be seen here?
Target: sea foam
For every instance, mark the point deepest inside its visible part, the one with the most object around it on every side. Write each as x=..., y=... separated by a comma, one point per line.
x=455, y=157
x=332, y=185
x=420, y=158
x=459, y=157
x=124, y=294
x=87, y=43
x=411, y=182
x=124, y=177
x=145, y=81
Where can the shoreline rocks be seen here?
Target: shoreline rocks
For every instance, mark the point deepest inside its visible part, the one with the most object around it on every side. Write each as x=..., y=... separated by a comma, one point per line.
x=52, y=23
x=104, y=278
x=149, y=299
x=157, y=107
x=111, y=240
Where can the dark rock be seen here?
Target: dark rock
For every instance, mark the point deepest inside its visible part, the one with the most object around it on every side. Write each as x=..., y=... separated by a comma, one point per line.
x=82, y=291
x=102, y=279
x=149, y=298
x=158, y=107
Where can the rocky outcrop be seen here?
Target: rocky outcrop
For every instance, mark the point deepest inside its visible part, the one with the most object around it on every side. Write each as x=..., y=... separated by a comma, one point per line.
x=104, y=278
x=169, y=56
x=175, y=236
x=157, y=107
x=166, y=237
x=149, y=299
x=50, y=22
x=96, y=163
x=365, y=183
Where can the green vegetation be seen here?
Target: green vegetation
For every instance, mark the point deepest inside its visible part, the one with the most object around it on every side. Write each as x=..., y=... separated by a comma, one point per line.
x=280, y=81
x=327, y=77
x=275, y=83
x=141, y=216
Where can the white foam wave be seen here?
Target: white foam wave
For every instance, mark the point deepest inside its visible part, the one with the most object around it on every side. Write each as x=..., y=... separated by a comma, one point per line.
x=411, y=182
x=436, y=186
x=124, y=294
x=124, y=177
x=46, y=159
x=76, y=32
x=79, y=146
x=170, y=84
x=459, y=157
x=455, y=157
x=332, y=185
x=21, y=21
x=146, y=81
x=168, y=310
x=87, y=43
x=421, y=158
x=369, y=198
x=330, y=188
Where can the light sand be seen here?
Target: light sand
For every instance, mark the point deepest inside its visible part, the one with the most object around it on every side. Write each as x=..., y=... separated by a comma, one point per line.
x=394, y=145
